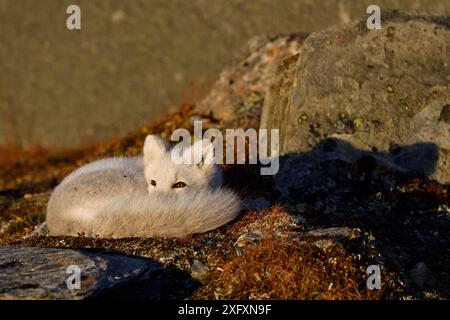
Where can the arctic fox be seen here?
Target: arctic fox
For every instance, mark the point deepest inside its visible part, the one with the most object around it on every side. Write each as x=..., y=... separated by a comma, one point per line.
x=146, y=196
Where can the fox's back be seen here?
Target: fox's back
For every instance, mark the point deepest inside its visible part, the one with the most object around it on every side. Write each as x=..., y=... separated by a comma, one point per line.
x=132, y=166
x=98, y=183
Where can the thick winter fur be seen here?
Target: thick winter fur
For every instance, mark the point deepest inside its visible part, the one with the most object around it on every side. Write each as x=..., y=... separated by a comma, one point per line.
x=136, y=197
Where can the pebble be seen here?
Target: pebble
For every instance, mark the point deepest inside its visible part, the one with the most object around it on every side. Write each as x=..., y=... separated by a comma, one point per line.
x=199, y=270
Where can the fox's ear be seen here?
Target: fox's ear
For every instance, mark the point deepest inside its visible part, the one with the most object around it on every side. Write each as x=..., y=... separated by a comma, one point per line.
x=154, y=147
x=203, y=154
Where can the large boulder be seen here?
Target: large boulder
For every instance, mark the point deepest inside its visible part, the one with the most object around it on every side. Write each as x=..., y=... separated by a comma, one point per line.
x=238, y=95
x=354, y=91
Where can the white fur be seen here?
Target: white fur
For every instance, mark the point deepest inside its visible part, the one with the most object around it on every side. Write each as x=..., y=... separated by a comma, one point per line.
x=114, y=198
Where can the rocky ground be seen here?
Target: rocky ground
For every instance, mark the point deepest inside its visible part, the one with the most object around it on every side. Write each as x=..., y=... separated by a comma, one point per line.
x=310, y=233
x=310, y=249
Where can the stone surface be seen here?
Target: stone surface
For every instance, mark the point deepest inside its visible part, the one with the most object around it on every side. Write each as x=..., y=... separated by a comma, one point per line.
x=256, y=203
x=238, y=95
x=249, y=239
x=199, y=270
x=421, y=275
x=354, y=92
x=335, y=234
x=40, y=273
x=40, y=230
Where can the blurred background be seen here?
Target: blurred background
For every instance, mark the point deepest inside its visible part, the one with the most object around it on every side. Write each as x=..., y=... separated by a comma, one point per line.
x=134, y=60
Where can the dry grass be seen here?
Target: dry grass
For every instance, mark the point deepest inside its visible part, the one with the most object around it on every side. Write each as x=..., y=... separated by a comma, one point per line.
x=285, y=269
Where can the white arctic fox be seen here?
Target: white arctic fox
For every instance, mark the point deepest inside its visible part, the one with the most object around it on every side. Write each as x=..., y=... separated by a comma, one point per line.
x=149, y=196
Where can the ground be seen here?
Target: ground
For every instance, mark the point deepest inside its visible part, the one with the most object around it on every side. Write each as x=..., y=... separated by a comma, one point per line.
x=284, y=251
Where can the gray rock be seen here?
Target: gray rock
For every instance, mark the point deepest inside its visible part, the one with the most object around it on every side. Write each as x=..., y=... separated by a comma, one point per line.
x=421, y=275
x=249, y=238
x=41, y=273
x=334, y=234
x=354, y=91
x=40, y=230
x=238, y=95
x=199, y=270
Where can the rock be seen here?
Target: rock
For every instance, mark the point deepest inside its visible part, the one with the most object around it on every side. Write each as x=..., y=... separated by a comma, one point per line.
x=199, y=270
x=331, y=237
x=40, y=230
x=324, y=244
x=252, y=204
x=248, y=238
x=355, y=92
x=444, y=209
x=41, y=273
x=239, y=92
x=4, y=226
x=334, y=234
x=421, y=275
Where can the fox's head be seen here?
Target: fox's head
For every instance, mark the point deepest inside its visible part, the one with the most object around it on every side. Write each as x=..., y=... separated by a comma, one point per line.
x=163, y=172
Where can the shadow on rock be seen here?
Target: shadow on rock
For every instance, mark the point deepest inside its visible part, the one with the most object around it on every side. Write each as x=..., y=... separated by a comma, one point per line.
x=310, y=171
x=388, y=195
x=166, y=284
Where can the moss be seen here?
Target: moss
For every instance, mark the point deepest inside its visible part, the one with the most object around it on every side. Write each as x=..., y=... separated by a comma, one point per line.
x=286, y=269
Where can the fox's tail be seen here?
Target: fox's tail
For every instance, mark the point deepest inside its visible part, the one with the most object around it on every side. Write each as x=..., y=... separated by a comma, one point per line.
x=158, y=215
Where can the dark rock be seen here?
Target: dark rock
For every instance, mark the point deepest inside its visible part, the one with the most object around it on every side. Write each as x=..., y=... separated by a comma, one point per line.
x=41, y=273
x=256, y=204
x=421, y=275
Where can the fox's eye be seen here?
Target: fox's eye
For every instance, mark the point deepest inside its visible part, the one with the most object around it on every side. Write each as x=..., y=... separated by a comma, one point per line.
x=179, y=184
x=153, y=182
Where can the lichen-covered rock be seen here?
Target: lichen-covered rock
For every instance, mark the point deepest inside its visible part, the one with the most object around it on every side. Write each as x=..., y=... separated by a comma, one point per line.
x=354, y=91
x=41, y=273
x=238, y=95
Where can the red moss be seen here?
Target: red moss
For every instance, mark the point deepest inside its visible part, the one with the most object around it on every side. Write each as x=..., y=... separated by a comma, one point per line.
x=282, y=269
